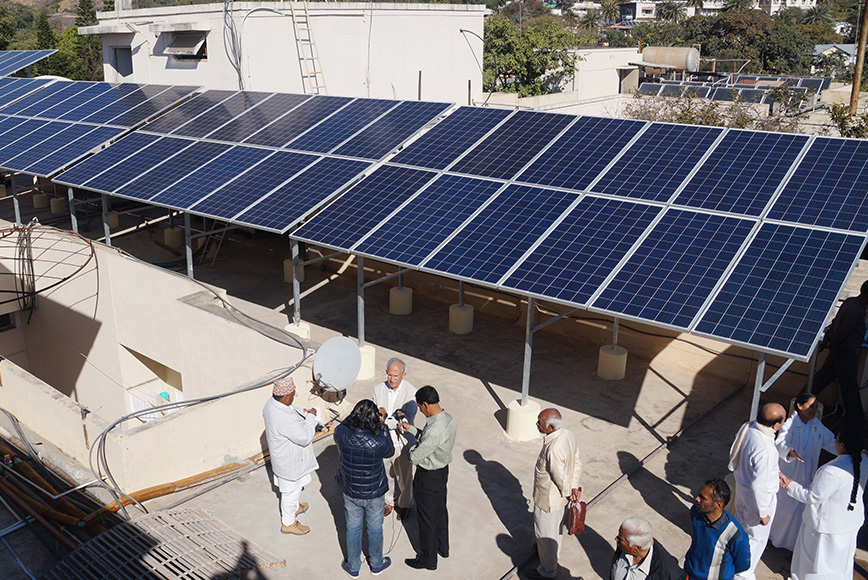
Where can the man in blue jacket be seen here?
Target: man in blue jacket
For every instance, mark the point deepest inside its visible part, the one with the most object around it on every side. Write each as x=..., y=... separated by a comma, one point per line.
x=719, y=547
x=363, y=442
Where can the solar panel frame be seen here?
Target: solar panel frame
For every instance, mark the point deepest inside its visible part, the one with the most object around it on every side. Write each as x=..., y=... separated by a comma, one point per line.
x=57, y=111
x=56, y=135
x=326, y=136
x=95, y=166
x=67, y=155
x=20, y=59
x=221, y=113
x=811, y=266
x=13, y=89
x=258, y=117
x=188, y=111
x=152, y=106
x=666, y=282
x=58, y=89
x=295, y=122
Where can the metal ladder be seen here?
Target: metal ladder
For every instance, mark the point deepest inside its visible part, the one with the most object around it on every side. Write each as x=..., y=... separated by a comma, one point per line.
x=308, y=54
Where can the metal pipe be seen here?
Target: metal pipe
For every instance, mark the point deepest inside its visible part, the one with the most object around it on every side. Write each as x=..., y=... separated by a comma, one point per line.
x=106, y=229
x=461, y=293
x=188, y=242
x=758, y=385
x=15, y=199
x=812, y=370
x=399, y=273
x=42, y=521
x=72, y=216
x=360, y=299
x=528, y=350
x=296, y=285
x=615, y=332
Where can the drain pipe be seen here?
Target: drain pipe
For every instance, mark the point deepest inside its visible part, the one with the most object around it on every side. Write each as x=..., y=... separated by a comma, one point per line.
x=42, y=521
x=599, y=497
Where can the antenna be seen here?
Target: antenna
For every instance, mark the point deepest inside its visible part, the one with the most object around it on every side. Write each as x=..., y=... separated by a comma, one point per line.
x=337, y=364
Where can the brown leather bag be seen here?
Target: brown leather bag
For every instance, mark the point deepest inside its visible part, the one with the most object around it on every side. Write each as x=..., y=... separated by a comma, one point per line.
x=576, y=517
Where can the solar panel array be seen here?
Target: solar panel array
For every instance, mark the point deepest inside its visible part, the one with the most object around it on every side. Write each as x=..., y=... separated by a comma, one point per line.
x=261, y=159
x=718, y=92
x=743, y=236
x=47, y=126
x=12, y=61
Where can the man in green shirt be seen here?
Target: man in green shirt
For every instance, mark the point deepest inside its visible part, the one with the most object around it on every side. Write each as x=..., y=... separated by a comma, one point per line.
x=431, y=455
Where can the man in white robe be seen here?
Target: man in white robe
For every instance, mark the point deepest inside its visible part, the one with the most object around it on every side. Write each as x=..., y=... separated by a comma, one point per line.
x=754, y=462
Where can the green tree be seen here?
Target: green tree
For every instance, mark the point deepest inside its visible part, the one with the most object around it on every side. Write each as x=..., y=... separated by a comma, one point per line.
x=789, y=16
x=523, y=10
x=785, y=51
x=534, y=62
x=698, y=4
x=818, y=13
x=855, y=126
x=7, y=25
x=820, y=32
x=671, y=11
x=609, y=10
x=591, y=20
x=85, y=14
x=616, y=39
x=109, y=6
x=45, y=37
x=737, y=5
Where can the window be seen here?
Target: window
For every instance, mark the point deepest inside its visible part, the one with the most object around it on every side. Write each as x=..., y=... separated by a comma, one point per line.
x=7, y=322
x=188, y=45
x=122, y=60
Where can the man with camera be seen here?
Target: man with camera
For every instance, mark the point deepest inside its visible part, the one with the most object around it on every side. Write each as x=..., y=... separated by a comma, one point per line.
x=396, y=399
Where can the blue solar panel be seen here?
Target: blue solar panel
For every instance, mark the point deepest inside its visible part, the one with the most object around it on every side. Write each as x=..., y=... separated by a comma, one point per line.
x=256, y=118
x=73, y=151
x=450, y=137
x=153, y=105
x=506, y=151
x=123, y=104
x=103, y=94
x=59, y=91
x=91, y=92
x=112, y=179
x=220, y=114
x=352, y=215
x=391, y=129
x=487, y=247
x=743, y=172
x=12, y=61
x=157, y=179
x=675, y=268
x=782, y=289
x=187, y=111
x=106, y=159
x=247, y=189
x=578, y=156
x=411, y=235
x=298, y=121
x=829, y=187
x=659, y=160
x=21, y=131
x=12, y=89
x=41, y=142
x=285, y=206
x=340, y=126
x=210, y=177
x=9, y=123
x=574, y=260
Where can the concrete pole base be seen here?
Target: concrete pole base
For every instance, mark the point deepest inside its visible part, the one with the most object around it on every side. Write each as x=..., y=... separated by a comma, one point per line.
x=461, y=319
x=289, y=272
x=301, y=330
x=521, y=420
x=2, y=190
x=113, y=222
x=401, y=301
x=612, y=364
x=369, y=363
x=173, y=237
x=40, y=200
x=58, y=206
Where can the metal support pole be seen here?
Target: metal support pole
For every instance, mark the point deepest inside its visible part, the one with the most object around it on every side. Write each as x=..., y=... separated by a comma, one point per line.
x=757, y=387
x=812, y=370
x=461, y=294
x=189, y=244
x=15, y=199
x=72, y=210
x=105, y=225
x=528, y=339
x=400, y=280
x=615, y=333
x=296, y=285
x=360, y=300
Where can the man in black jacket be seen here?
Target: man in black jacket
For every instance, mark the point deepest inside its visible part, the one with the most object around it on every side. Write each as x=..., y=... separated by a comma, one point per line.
x=363, y=442
x=639, y=556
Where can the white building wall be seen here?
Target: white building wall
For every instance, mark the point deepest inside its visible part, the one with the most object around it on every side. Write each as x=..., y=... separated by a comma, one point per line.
x=365, y=50
x=597, y=71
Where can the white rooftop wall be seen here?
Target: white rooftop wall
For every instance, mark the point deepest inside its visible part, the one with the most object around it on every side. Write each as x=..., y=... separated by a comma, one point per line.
x=366, y=50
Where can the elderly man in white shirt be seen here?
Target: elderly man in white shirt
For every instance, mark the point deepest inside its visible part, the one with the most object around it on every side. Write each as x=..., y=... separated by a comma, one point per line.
x=393, y=394
x=753, y=459
x=289, y=433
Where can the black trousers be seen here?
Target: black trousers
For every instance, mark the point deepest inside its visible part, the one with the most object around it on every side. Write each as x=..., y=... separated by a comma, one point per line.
x=429, y=491
x=843, y=365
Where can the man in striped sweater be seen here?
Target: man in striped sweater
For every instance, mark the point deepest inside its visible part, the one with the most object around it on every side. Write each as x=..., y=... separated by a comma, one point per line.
x=719, y=547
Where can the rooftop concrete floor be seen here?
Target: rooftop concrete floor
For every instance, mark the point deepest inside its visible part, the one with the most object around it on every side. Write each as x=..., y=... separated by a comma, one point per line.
x=617, y=423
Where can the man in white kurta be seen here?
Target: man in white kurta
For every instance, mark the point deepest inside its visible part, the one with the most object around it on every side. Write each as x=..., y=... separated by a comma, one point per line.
x=392, y=394
x=289, y=433
x=799, y=443
x=754, y=462
x=555, y=482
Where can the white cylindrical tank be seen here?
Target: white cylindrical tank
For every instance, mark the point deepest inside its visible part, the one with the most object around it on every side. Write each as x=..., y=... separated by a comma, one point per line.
x=682, y=58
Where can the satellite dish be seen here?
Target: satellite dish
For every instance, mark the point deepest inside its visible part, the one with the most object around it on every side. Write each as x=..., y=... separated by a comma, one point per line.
x=337, y=364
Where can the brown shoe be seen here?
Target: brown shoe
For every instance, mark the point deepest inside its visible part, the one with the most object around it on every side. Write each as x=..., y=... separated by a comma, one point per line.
x=387, y=510
x=302, y=507
x=297, y=528
x=403, y=513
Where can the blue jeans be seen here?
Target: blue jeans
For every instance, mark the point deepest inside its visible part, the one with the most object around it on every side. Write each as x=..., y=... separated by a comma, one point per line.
x=357, y=512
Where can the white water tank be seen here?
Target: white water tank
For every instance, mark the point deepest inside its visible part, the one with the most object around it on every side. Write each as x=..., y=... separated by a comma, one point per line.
x=680, y=57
